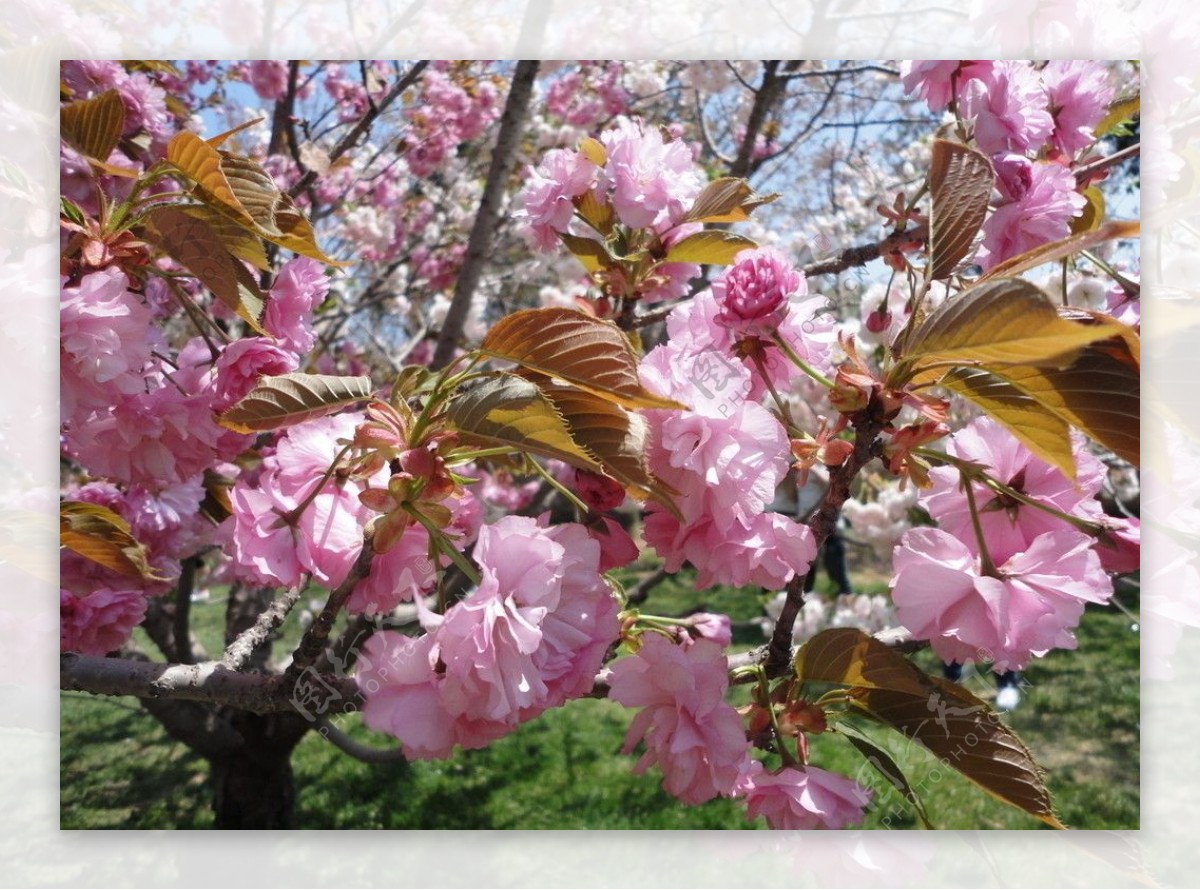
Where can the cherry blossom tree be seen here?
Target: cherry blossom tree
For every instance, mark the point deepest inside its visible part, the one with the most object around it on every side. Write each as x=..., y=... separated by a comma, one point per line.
x=451, y=343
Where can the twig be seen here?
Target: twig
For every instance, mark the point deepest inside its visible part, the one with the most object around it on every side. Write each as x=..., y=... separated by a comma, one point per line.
x=240, y=650
x=863, y=253
x=1088, y=170
x=364, y=123
x=313, y=643
x=639, y=593
x=357, y=750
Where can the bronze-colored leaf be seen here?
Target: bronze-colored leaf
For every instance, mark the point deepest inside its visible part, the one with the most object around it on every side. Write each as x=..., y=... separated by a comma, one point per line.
x=1092, y=215
x=955, y=726
x=238, y=240
x=93, y=126
x=887, y=767
x=101, y=535
x=510, y=411
x=714, y=247
x=189, y=240
x=1041, y=430
x=1100, y=393
x=1057, y=250
x=201, y=163
x=614, y=436
x=288, y=399
x=960, y=184
x=726, y=200
x=577, y=348
x=995, y=324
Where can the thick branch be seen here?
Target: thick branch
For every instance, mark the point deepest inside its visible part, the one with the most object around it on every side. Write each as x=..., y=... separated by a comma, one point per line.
x=209, y=681
x=768, y=93
x=864, y=253
x=479, y=244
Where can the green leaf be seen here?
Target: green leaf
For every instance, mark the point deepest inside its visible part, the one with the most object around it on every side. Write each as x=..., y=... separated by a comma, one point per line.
x=726, y=200
x=197, y=247
x=94, y=126
x=960, y=184
x=951, y=723
x=1057, y=250
x=995, y=324
x=1119, y=112
x=615, y=437
x=101, y=535
x=1041, y=430
x=510, y=411
x=888, y=768
x=591, y=253
x=577, y=348
x=289, y=399
x=714, y=247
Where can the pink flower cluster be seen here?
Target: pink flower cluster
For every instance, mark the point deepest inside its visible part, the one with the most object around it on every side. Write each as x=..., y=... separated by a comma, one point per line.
x=99, y=622
x=446, y=116
x=694, y=736
x=1034, y=123
x=802, y=799
x=530, y=637
x=1045, y=569
x=648, y=180
x=588, y=97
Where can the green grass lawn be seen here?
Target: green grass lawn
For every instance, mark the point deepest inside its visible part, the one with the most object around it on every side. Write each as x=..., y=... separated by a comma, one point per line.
x=1079, y=715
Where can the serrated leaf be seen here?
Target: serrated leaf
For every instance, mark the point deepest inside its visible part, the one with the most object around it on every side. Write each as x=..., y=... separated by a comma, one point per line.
x=201, y=163
x=728, y=199
x=101, y=535
x=219, y=140
x=714, y=247
x=1092, y=215
x=574, y=347
x=1057, y=250
x=94, y=126
x=883, y=764
x=242, y=190
x=954, y=725
x=614, y=436
x=288, y=399
x=1041, y=431
x=238, y=240
x=1100, y=393
x=960, y=184
x=997, y=324
x=591, y=253
x=409, y=380
x=510, y=411
x=189, y=240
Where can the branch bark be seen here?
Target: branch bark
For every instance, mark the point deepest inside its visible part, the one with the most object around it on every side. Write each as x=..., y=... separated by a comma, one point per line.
x=240, y=650
x=479, y=244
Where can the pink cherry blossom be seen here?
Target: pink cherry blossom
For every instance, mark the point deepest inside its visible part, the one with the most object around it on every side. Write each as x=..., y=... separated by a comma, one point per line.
x=1031, y=607
x=100, y=622
x=1044, y=203
x=269, y=78
x=242, y=363
x=1010, y=108
x=805, y=798
x=1008, y=525
x=753, y=293
x=712, y=626
x=105, y=341
x=549, y=191
x=617, y=548
x=935, y=81
x=652, y=181
x=300, y=287
x=694, y=736
x=600, y=493
x=397, y=576
x=1080, y=93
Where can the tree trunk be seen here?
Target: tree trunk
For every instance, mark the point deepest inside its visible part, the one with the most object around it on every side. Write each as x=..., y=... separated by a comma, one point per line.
x=253, y=785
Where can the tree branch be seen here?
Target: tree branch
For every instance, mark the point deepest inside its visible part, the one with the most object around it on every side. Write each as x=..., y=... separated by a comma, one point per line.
x=479, y=244
x=351, y=138
x=863, y=253
x=209, y=681
x=240, y=650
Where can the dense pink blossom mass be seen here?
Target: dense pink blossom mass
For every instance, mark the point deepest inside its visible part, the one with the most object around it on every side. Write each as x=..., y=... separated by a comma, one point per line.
x=479, y=354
